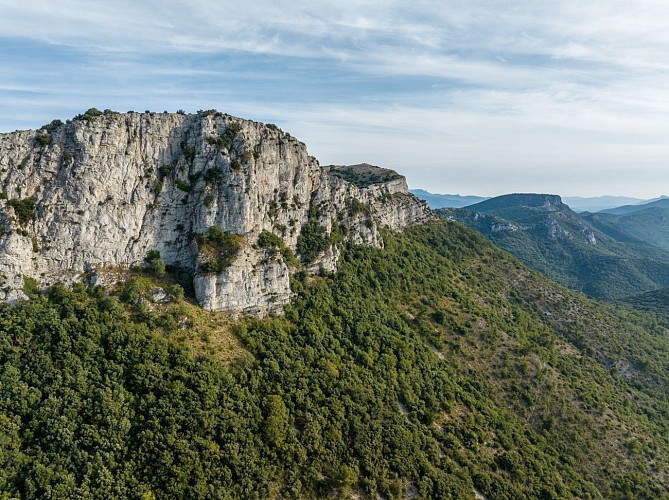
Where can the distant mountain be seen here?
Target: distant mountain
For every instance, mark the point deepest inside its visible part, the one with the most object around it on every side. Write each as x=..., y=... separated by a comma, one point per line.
x=597, y=203
x=648, y=222
x=544, y=233
x=446, y=200
x=630, y=209
x=576, y=203
x=544, y=202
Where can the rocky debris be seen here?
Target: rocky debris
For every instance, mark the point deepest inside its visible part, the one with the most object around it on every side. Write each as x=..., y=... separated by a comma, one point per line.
x=102, y=190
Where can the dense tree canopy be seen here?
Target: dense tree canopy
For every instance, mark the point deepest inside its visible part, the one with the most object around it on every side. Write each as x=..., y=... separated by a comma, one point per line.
x=433, y=367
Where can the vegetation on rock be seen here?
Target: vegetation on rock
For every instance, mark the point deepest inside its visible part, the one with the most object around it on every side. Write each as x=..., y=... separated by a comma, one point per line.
x=24, y=209
x=312, y=240
x=364, y=175
x=218, y=249
x=273, y=244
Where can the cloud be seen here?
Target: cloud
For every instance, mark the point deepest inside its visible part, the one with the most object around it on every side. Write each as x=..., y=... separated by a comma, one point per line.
x=530, y=90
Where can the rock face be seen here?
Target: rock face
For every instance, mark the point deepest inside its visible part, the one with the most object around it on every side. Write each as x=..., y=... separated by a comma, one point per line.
x=94, y=195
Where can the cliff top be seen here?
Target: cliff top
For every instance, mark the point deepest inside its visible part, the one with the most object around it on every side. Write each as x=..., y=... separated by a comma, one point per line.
x=364, y=174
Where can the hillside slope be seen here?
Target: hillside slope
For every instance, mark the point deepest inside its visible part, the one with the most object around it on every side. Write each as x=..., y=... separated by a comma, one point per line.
x=650, y=224
x=431, y=368
x=597, y=203
x=572, y=249
x=656, y=302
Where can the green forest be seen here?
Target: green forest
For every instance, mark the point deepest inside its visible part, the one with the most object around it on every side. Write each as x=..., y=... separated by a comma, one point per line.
x=596, y=254
x=436, y=367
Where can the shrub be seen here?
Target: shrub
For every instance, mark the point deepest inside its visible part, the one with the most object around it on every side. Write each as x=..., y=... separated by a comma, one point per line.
x=357, y=207
x=91, y=113
x=25, y=209
x=289, y=257
x=132, y=290
x=52, y=126
x=274, y=244
x=111, y=305
x=234, y=127
x=42, y=139
x=269, y=240
x=164, y=171
x=210, y=267
x=313, y=239
x=218, y=249
x=30, y=286
x=213, y=174
x=155, y=264
x=184, y=186
x=176, y=292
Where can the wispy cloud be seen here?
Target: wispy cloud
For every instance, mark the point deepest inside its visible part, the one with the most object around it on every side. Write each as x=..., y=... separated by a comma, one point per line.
x=556, y=95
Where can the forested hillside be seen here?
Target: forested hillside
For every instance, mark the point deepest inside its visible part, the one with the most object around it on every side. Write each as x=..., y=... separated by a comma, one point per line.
x=433, y=368
x=585, y=252
x=650, y=225
x=656, y=301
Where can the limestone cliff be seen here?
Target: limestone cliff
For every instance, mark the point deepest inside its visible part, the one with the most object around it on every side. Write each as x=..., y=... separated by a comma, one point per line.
x=99, y=192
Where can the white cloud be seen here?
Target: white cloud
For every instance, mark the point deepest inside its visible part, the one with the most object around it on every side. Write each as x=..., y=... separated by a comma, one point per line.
x=547, y=91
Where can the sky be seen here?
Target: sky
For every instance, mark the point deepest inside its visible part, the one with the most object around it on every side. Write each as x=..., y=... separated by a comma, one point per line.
x=478, y=97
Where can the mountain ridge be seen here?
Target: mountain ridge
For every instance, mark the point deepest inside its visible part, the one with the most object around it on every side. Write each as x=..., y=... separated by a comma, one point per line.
x=649, y=224
x=662, y=203
x=578, y=204
x=446, y=200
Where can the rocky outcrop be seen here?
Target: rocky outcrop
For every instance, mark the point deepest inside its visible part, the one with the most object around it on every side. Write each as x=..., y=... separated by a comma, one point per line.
x=100, y=191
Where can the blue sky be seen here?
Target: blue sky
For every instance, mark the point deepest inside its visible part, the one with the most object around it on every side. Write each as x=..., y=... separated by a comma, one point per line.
x=470, y=97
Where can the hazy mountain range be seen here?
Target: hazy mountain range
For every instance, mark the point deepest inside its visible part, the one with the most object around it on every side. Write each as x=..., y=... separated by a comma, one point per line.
x=648, y=222
x=576, y=203
x=446, y=200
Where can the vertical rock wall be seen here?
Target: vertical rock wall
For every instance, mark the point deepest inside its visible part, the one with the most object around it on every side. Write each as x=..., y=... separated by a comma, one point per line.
x=99, y=192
